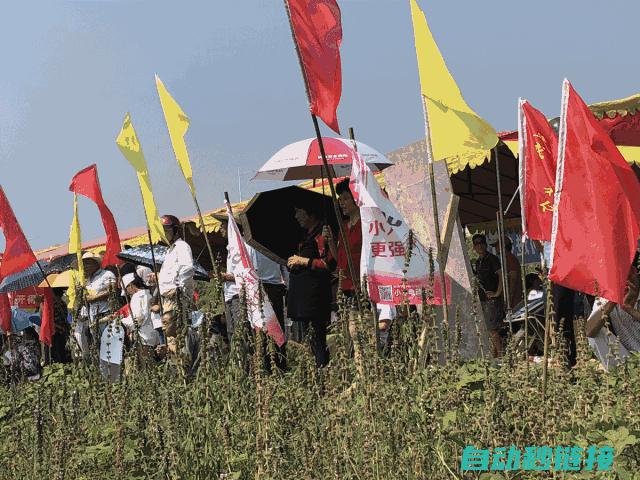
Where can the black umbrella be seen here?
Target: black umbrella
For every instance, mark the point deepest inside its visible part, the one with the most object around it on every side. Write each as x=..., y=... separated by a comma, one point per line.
x=141, y=255
x=28, y=277
x=270, y=224
x=61, y=264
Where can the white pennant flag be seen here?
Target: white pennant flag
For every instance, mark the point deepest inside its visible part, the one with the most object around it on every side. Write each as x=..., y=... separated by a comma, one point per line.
x=384, y=243
x=246, y=277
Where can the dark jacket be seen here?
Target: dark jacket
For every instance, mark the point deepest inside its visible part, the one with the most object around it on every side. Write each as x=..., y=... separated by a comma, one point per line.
x=309, y=291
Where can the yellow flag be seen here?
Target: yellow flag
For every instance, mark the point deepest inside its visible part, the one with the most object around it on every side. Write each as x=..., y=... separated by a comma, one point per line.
x=458, y=134
x=132, y=150
x=75, y=246
x=178, y=124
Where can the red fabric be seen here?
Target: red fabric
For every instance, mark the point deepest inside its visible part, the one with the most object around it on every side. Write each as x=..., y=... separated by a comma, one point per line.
x=540, y=154
x=317, y=31
x=16, y=257
x=47, y=323
x=17, y=252
x=598, y=211
x=5, y=313
x=86, y=183
x=354, y=237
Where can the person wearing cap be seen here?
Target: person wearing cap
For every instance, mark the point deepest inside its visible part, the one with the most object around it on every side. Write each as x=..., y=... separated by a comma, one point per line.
x=139, y=318
x=514, y=274
x=175, y=278
x=487, y=271
x=99, y=285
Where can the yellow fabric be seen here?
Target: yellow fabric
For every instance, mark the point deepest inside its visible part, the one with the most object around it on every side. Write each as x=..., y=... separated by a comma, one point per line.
x=130, y=147
x=75, y=246
x=630, y=154
x=458, y=134
x=178, y=124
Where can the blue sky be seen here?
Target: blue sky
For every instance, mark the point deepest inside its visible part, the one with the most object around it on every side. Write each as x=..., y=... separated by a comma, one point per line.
x=72, y=69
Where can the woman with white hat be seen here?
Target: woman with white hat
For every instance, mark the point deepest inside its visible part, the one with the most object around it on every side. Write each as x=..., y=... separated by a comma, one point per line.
x=139, y=318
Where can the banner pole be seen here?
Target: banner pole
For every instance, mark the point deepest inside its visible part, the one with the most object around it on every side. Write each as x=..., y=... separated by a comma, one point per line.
x=330, y=176
x=436, y=219
x=204, y=234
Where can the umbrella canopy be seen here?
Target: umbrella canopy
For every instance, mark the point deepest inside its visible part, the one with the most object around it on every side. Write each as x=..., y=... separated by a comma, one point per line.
x=302, y=160
x=62, y=263
x=269, y=223
x=28, y=277
x=141, y=255
x=58, y=280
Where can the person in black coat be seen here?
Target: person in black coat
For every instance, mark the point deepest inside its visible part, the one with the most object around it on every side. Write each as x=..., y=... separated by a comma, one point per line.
x=309, y=294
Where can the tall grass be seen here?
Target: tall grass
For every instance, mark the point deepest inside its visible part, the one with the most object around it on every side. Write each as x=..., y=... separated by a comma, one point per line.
x=405, y=415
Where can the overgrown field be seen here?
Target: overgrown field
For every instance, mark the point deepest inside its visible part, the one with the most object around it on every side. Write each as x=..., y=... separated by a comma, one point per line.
x=404, y=416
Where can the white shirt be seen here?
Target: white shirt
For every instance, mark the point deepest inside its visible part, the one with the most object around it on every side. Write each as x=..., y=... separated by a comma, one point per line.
x=177, y=269
x=268, y=271
x=100, y=282
x=141, y=311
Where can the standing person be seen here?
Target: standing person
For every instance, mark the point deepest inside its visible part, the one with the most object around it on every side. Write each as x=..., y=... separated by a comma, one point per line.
x=99, y=285
x=487, y=271
x=309, y=294
x=353, y=229
x=175, y=280
x=514, y=274
x=139, y=318
x=59, y=350
x=231, y=290
x=273, y=279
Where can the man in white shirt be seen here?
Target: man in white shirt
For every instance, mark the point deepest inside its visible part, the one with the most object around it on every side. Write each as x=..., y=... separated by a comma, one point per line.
x=175, y=278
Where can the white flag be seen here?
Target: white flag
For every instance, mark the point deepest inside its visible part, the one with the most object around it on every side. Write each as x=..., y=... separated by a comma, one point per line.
x=384, y=243
x=246, y=277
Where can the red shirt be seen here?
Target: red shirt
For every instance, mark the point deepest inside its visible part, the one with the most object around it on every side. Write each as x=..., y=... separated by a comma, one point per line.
x=354, y=237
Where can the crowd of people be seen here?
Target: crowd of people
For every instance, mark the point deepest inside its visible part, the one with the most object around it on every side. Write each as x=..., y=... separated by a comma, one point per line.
x=131, y=307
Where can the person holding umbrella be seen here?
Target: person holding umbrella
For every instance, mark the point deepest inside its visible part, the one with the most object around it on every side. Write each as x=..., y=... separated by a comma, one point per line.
x=309, y=294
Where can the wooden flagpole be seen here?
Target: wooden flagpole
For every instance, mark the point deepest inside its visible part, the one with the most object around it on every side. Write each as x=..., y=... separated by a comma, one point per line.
x=436, y=220
x=325, y=163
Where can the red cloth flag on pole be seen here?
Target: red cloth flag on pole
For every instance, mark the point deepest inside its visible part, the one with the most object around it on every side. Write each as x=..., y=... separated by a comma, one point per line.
x=86, y=183
x=538, y=154
x=317, y=33
x=597, y=206
x=259, y=309
x=18, y=256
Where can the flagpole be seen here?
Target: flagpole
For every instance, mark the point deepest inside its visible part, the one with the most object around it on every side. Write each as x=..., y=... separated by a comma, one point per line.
x=336, y=209
x=521, y=188
x=330, y=176
x=501, y=246
x=204, y=234
x=436, y=219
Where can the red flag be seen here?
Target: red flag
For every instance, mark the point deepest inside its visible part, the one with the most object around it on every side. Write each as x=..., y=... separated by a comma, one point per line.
x=5, y=313
x=597, y=206
x=18, y=256
x=86, y=183
x=317, y=32
x=538, y=154
x=17, y=253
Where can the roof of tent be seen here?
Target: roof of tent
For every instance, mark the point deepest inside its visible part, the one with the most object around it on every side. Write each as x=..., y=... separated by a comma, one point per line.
x=620, y=118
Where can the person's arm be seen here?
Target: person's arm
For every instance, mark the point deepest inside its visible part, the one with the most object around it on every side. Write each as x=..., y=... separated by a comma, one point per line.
x=597, y=318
